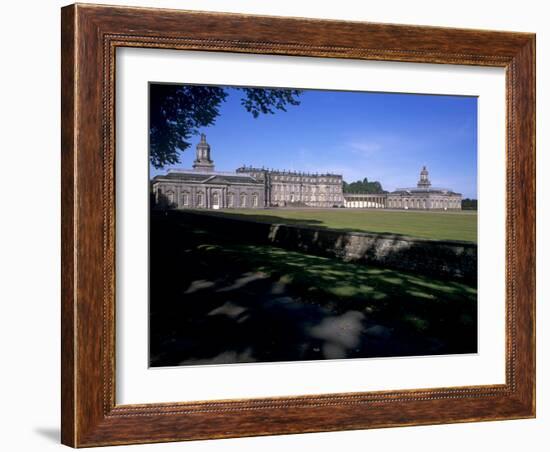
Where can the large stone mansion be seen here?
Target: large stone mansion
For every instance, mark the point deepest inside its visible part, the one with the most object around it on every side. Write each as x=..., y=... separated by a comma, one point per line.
x=249, y=187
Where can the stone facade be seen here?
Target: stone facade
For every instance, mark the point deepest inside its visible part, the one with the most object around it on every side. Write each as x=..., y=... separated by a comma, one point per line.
x=424, y=200
x=196, y=190
x=204, y=188
x=424, y=196
x=292, y=188
x=250, y=187
x=421, y=197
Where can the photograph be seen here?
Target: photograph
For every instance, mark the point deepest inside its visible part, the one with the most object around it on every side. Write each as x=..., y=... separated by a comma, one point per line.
x=278, y=221
x=292, y=224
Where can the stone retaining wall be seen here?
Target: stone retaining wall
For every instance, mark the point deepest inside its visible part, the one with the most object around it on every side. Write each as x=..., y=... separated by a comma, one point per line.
x=447, y=259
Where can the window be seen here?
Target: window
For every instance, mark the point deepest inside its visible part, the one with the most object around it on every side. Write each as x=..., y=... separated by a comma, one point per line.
x=231, y=200
x=200, y=200
x=185, y=199
x=170, y=197
x=243, y=200
x=255, y=200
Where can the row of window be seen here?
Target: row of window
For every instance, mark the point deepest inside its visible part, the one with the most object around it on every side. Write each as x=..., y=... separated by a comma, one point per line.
x=370, y=203
x=243, y=200
x=313, y=180
x=215, y=200
x=409, y=203
x=422, y=204
x=292, y=197
x=306, y=188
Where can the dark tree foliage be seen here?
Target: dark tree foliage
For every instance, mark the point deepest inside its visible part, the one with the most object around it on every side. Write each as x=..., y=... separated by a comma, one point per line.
x=178, y=112
x=363, y=186
x=266, y=101
x=469, y=204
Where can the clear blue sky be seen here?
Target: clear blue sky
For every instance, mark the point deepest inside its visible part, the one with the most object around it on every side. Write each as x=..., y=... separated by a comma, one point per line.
x=381, y=136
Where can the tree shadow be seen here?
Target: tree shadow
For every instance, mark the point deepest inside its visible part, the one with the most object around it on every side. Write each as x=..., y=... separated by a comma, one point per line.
x=267, y=220
x=443, y=259
x=215, y=300
x=260, y=216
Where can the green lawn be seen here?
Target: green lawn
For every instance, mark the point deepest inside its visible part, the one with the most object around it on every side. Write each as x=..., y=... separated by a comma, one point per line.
x=430, y=225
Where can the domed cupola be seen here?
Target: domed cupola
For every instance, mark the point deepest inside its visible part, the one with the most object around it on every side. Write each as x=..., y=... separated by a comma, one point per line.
x=203, y=162
x=424, y=182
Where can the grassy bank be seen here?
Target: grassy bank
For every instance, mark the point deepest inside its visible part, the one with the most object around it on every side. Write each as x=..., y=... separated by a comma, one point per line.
x=429, y=225
x=214, y=300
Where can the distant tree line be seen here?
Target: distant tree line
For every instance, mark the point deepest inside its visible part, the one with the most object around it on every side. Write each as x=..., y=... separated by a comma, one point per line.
x=363, y=186
x=469, y=204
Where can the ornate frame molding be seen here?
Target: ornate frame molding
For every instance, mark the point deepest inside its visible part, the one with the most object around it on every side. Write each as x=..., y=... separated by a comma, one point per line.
x=90, y=36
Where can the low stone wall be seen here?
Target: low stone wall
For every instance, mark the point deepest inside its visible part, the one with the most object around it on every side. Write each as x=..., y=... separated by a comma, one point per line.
x=430, y=257
x=447, y=259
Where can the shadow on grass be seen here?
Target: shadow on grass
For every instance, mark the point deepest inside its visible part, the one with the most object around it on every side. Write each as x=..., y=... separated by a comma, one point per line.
x=438, y=226
x=436, y=258
x=217, y=301
x=274, y=219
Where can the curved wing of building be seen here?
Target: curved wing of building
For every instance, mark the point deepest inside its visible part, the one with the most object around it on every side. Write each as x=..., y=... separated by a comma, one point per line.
x=421, y=197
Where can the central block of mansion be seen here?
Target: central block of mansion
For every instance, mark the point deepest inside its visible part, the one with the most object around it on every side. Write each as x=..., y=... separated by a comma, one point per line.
x=249, y=187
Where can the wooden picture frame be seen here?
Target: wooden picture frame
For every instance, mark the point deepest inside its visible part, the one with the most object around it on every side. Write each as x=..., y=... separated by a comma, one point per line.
x=90, y=36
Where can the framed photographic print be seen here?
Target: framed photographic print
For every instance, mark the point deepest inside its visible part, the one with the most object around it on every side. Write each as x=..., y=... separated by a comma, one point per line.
x=282, y=225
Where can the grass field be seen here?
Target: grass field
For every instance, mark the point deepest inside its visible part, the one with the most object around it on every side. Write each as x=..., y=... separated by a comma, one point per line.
x=430, y=225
